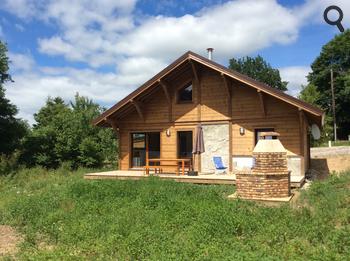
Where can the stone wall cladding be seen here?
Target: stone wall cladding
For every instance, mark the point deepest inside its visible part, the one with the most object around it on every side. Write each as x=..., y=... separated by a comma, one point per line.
x=216, y=143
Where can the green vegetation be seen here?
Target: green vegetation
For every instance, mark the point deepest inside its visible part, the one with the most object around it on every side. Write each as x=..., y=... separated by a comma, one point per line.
x=62, y=134
x=260, y=70
x=334, y=55
x=65, y=217
x=11, y=128
x=338, y=143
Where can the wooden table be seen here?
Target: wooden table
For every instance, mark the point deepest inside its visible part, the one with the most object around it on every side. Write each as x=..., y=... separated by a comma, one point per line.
x=176, y=161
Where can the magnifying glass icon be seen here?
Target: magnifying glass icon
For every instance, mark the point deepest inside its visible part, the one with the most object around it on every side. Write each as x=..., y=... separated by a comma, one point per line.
x=336, y=22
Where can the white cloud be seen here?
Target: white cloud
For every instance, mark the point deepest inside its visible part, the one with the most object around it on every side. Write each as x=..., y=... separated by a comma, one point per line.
x=105, y=32
x=234, y=28
x=89, y=29
x=19, y=27
x=296, y=77
x=23, y=8
x=21, y=62
x=100, y=32
x=55, y=45
x=33, y=84
x=312, y=11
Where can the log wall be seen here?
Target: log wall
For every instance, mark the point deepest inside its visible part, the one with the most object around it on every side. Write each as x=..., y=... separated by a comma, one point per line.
x=211, y=105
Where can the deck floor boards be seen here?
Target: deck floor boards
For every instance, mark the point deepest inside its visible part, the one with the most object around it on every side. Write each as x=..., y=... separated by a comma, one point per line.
x=229, y=179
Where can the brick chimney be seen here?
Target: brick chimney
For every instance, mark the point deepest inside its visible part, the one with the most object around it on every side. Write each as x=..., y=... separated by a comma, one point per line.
x=269, y=154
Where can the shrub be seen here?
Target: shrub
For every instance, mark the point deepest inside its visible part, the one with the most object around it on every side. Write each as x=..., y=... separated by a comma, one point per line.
x=8, y=164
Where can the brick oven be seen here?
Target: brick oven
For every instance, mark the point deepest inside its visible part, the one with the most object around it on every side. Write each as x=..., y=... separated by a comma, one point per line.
x=269, y=178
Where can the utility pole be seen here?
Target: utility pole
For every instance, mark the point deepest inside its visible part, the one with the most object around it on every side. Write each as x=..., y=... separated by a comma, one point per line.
x=333, y=107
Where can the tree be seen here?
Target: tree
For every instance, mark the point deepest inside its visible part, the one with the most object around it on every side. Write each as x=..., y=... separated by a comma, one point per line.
x=11, y=129
x=334, y=55
x=258, y=69
x=47, y=114
x=63, y=133
x=39, y=145
x=309, y=94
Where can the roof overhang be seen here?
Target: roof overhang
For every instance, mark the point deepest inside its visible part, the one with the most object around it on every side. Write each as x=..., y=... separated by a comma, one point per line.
x=315, y=114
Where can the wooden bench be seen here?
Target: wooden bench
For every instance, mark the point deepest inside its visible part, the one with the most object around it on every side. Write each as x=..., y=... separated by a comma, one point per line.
x=147, y=169
x=168, y=163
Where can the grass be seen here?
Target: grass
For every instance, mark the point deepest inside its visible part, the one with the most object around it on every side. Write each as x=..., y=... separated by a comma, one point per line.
x=64, y=217
x=336, y=143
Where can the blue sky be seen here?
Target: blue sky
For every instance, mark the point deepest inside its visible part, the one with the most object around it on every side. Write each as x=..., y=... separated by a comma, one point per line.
x=104, y=49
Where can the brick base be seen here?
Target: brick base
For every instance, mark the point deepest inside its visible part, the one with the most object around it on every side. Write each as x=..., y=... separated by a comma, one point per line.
x=263, y=185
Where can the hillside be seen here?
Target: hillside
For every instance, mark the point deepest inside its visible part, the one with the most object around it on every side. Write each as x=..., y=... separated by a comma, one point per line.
x=62, y=216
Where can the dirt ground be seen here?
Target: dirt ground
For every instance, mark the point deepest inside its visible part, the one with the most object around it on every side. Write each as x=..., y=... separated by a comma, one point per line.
x=9, y=240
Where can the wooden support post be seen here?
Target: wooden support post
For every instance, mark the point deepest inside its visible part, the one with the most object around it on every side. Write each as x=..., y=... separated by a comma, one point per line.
x=301, y=130
x=183, y=167
x=228, y=85
x=165, y=90
x=138, y=109
x=195, y=71
x=113, y=124
x=198, y=88
x=262, y=102
x=115, y=127
x=230, y=165
x=168, y=98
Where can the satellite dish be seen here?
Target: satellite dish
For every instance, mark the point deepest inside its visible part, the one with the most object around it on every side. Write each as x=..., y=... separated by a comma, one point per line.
x=315, y=131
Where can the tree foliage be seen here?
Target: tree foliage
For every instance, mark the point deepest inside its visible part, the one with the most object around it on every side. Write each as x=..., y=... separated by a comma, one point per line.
x=258, y=69
x=334, y=55
x=11, y=129
x=310, y=94
x=63, y=133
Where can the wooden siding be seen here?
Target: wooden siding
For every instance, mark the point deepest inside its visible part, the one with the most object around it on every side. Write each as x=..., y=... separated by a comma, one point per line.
x=213, y=97
x=211, y=104
x=287, y=127
x=124, y=149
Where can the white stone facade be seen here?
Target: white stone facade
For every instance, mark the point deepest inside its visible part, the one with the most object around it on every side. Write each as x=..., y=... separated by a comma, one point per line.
x=216, y=143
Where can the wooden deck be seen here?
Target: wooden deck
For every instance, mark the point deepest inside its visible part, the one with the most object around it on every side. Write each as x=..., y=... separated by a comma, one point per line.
x=228, y=179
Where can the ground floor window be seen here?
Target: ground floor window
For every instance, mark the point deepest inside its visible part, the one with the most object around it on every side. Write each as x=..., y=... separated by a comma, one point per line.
x=184, y=144
x=259, y=131
x=144, y=145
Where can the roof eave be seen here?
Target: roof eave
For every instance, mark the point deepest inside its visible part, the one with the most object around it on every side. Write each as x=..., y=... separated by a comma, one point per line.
x=101, y=120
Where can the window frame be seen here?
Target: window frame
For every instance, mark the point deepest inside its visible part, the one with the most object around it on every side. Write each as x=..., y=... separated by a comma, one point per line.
x=146, y=147
x=184, y=86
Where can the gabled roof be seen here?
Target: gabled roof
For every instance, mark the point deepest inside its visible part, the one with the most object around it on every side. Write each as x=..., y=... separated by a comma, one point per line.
x=314, y=111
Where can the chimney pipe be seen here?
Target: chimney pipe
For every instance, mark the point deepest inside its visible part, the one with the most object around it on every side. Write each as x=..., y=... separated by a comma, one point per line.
x=210, y=53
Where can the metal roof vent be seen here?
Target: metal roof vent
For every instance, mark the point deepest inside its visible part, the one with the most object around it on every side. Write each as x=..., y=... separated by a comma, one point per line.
x=210, y=53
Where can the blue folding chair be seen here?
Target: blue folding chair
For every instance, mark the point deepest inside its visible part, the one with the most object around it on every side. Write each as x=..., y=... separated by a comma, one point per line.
x=219, y=166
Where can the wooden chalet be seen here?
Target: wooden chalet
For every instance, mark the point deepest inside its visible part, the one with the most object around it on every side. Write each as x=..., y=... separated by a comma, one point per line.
x=159, y=119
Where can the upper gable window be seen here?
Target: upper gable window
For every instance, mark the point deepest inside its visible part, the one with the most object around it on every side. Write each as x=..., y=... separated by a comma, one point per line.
x=185, y=93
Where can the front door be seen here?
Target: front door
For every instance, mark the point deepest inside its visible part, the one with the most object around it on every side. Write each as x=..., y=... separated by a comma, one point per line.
x=144, y=145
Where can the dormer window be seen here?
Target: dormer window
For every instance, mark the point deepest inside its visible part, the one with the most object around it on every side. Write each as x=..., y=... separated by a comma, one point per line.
x=185, y=93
